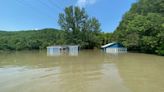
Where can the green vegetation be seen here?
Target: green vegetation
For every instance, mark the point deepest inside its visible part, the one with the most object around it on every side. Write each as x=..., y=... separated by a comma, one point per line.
x=40, y=39
x=33, y=39
x=80, y=29
x=142, y=28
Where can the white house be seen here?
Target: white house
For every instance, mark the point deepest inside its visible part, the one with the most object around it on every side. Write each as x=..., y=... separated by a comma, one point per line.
x=59, y=50
x=114, y=48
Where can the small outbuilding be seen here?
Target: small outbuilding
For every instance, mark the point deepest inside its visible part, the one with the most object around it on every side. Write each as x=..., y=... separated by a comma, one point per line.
x=73, y=50
x=114, y=48
x=58, y=50
x=54, y=50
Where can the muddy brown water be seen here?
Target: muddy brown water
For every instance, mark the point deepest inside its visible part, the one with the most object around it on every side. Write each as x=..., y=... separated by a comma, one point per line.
x=89, y=71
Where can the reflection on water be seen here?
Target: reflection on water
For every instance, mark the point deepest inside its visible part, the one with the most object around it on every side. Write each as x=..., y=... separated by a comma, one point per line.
x=73, y=53
x=89, y=71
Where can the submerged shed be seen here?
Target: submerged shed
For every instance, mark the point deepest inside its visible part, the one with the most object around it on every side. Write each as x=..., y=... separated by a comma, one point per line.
x=73, y=50
x=54, y=50
x=114, y=48
x=58, y=50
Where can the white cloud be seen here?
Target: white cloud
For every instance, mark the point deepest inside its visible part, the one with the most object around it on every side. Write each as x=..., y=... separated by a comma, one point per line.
x=83, y=3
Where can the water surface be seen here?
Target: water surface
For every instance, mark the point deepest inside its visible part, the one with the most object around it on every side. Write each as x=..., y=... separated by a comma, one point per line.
x=87, y=71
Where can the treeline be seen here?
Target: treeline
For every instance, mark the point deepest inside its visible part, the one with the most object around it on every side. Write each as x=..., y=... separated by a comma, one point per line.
x=40, y=39
x=142, y=28
x=32, y=39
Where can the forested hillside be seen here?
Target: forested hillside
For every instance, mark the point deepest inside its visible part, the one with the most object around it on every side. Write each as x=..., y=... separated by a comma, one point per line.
x=32, y=39
x=142, y=27
x=40, y=39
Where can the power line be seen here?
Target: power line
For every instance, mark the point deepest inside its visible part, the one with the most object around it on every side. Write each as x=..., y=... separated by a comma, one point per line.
x=56, y=4
x=46, y=5
x=27, y=4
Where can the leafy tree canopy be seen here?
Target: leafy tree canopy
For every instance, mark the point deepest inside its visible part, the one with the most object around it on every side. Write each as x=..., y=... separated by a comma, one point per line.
x=141, y=28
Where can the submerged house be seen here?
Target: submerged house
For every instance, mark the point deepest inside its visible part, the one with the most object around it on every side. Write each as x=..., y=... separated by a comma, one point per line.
x=114, y=48
x=59, y=50
x=73, y=50
x=54, y=50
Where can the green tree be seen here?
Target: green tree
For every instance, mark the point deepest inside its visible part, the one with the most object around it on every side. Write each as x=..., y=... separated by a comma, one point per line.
x=141, y=28
x=79, y=28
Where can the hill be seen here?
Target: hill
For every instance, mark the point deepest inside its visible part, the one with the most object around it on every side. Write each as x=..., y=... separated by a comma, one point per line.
x=31, y=39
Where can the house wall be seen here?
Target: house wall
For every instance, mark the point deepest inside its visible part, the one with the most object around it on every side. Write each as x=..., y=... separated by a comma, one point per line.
x=116, y=50
x=53, y=51
x=59, y=50
x=73, y=50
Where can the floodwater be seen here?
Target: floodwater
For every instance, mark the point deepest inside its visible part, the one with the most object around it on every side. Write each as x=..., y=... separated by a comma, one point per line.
x=86, y=71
